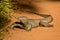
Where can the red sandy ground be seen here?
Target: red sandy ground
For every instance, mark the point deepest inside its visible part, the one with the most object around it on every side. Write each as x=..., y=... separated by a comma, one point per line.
x=40, y=33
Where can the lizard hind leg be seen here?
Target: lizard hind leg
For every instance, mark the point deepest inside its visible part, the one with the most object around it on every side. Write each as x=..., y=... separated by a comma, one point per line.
x=48, y=19
x=45, y=22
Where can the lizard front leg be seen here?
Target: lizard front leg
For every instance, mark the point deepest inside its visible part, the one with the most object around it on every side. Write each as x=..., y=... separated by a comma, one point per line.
x=28, y=27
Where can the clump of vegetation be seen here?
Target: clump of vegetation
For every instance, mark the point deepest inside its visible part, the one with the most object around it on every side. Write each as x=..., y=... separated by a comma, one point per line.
x=5, y=12
x=1, y=36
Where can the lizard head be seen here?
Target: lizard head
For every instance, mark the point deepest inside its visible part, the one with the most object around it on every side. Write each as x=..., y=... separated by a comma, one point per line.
x=23, y=19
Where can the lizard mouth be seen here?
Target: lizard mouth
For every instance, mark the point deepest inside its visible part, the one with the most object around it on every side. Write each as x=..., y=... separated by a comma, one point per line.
x=19, y=26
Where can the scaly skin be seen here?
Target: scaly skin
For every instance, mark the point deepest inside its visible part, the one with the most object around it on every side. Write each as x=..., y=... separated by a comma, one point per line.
x=32, y=23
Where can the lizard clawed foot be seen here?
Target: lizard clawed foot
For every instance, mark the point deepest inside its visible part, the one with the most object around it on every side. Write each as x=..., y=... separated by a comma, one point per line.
x=28, y=29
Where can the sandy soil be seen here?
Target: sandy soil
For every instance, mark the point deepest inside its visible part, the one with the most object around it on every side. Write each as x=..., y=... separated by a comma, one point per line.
x=40, y=33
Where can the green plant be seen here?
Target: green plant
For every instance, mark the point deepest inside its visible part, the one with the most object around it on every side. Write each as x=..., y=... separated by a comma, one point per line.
x=1, y=35
x=4, y=12
x=4, y=15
